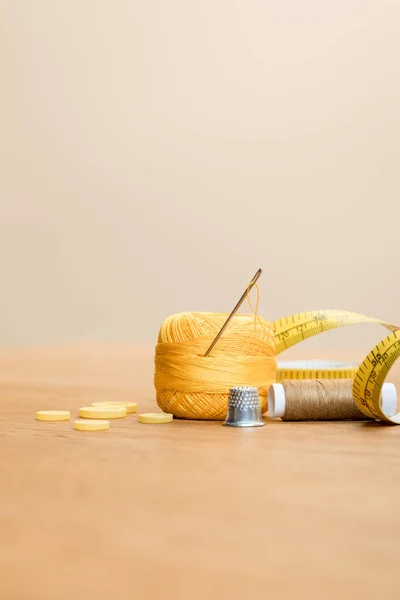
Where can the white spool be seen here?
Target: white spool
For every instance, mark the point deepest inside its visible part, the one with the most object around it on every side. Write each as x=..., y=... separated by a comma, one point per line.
x=277, y=400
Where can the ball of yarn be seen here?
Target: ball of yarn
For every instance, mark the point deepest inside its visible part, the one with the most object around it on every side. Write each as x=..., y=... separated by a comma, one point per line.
x=193, y=386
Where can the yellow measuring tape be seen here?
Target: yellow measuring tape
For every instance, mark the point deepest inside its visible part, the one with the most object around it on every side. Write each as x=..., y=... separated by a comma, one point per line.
x=368, y=377
x=315, y=369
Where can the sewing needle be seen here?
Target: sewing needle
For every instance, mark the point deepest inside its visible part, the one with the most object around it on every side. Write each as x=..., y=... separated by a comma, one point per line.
x=238, y=305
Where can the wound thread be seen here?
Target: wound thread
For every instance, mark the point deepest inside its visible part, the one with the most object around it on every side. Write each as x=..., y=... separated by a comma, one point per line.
x=192, y=386
x=320, y=400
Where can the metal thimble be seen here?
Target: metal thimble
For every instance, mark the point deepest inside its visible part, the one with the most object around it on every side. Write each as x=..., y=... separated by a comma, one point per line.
x=244, y=408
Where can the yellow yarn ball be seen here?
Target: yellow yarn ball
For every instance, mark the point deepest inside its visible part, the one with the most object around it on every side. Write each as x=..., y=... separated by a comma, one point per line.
x=193, y=386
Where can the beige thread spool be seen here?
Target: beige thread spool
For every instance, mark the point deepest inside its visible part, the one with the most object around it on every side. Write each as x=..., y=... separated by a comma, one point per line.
x=322, y=400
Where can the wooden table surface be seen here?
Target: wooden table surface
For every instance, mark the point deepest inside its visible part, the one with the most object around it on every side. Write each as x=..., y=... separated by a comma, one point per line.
x=186, y=510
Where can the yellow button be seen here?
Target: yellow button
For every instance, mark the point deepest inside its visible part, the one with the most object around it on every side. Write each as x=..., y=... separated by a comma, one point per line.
x=53, y=415
x=155, y=418
x=102, y=412
x=130, y=406
x=91, y=425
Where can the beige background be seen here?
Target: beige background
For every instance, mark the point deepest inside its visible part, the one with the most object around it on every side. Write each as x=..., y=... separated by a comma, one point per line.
x=154, y=154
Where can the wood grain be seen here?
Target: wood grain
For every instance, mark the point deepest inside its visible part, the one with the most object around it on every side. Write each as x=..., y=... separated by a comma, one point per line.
x=187, y=510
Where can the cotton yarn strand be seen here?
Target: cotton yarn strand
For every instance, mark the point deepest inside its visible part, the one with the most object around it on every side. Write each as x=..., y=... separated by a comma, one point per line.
x=190, y=385
x=320, y=400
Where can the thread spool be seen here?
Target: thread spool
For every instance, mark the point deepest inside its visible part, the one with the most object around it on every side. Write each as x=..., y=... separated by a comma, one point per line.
x=192, y=386
x=322, y=400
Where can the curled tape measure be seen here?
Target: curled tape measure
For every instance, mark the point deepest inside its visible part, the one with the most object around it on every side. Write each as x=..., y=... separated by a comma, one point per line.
x=371, y=375
x=368, y=377
x=315, y=369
